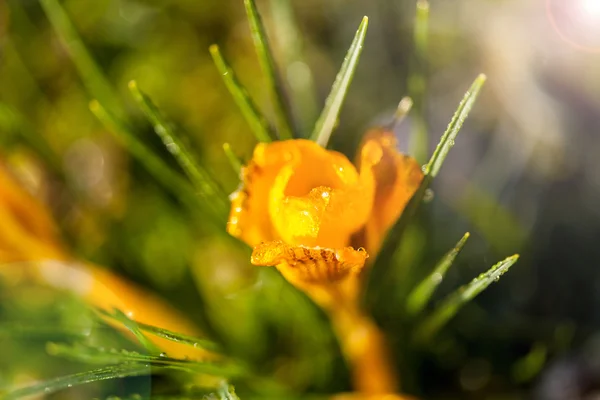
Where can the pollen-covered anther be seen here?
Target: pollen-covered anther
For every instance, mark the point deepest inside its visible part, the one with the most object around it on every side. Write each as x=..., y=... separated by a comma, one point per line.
x=310, y=264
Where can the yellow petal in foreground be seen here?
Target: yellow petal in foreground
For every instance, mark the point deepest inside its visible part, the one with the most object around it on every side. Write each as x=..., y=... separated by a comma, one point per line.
x=30, y=248
x=26, y=228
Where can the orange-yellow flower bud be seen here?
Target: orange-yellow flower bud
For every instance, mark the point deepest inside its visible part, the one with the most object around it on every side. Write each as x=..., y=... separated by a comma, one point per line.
x=297, y=193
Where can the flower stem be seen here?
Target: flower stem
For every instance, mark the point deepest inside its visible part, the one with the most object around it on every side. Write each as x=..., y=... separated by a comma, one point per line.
x=365, y=349
x=361, y=340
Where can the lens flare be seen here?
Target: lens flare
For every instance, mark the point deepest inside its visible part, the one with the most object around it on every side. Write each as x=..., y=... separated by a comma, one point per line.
x=576, y=22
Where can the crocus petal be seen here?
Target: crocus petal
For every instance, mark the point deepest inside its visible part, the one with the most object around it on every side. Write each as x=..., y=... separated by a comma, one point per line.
x=249, y=217
x=397, y=177
x=310, y=264
x=318, y=198
x=326, y=275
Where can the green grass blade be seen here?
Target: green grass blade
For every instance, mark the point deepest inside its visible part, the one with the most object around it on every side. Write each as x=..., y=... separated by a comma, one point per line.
x=449, y=307
x=94, y=355
x=91, y=75
x=290, y=43
x=132, y=326
x=157, y=167
x=202, y=179
x=258, y=123
x=417, y=82
x=329, y=116
x=420, y=295
x=180, y=338
x=421, y=30
x=383, y=263
x=54, y=385
x=169, y=335
x=235, y=162
x=267, y=63
x=447, y=141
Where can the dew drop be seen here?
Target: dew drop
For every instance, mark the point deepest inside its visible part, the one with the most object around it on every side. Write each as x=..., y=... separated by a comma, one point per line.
x=437, y=278
x=428, y=196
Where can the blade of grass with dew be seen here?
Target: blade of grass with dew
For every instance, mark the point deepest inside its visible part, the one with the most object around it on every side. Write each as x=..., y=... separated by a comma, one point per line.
x=329, y=116
x=170, y=179
x=383, y=264
x=299, y=76
x=200, y=177
x=421, y=294
x=258, y=123
x=132, y=326
x=417, y=82
x=181, y=338
x=94, y=355
x=90, y=73
x=447, y=142
x=454, y=302
x=267, y=64
x=234, y=161
x=56, y=384
x=167, y=334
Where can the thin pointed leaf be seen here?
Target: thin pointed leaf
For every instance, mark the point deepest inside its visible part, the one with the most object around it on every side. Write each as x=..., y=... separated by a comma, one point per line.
x=267, y=63
x=383, y=264
x=202, y=180
x=441, y=151
x=300, y=78
x=157, y=167
x=132, y=326
x=54, y=385
x=90, y=73
x=258, y=123
x=329, y=116
x=235, y=162
x=421, y=30
x=420, y=295
x=94, y=355
x=169, y=335
x=449, y=307
x=417, y=82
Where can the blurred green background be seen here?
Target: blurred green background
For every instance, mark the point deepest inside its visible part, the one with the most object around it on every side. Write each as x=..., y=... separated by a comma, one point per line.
x=523, y=177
